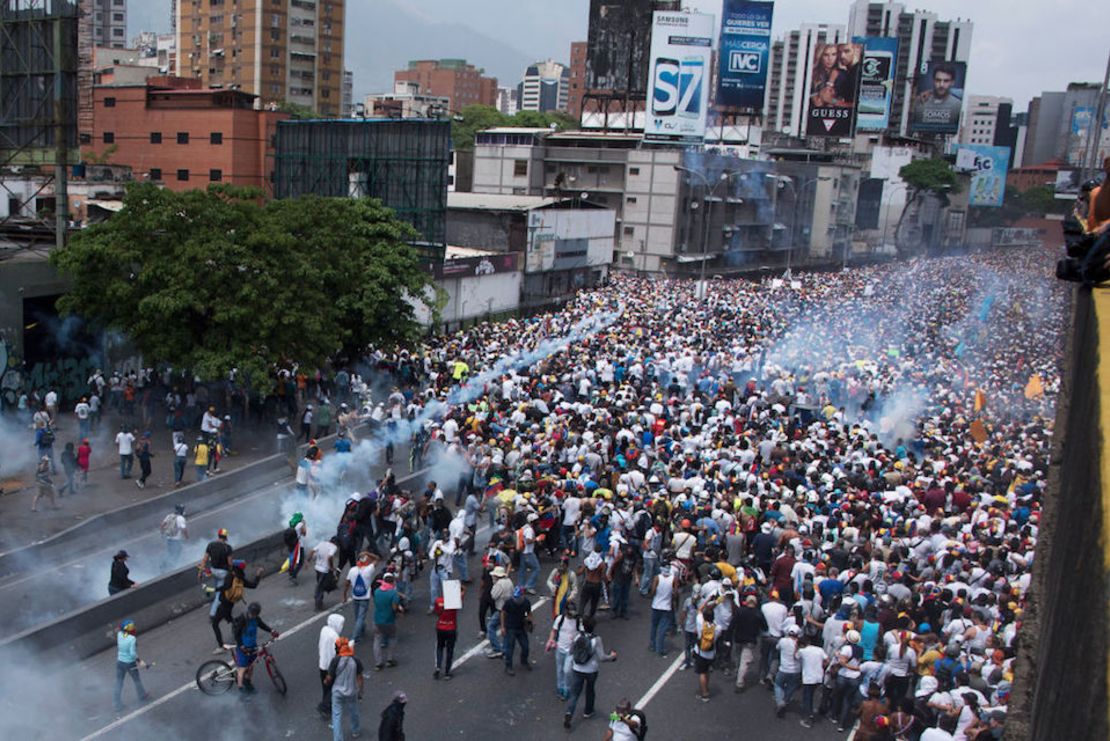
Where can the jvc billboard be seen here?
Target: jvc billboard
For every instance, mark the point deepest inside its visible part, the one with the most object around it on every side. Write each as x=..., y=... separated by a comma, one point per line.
x=876, y=87
x=745, y=53
x=681, y=47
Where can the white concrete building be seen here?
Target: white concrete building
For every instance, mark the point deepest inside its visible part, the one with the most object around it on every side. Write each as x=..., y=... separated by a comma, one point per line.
x=791, y=65
x=980, y=119
x=545, y=87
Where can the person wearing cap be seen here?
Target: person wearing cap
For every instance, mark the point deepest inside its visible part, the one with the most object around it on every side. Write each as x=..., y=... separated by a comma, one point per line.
x=119, y=580
x=387, y=606
x=516, y=623
x=500, y=593
x=847, y=661
x=215, y=563
x=626, y=723
x=128, y=663
x=789, y=675
x=344, y=677
x=125, y=440
x=392, y=726
x=529, y=562
x=180, y=459
x=175, y=530
x=447, y=632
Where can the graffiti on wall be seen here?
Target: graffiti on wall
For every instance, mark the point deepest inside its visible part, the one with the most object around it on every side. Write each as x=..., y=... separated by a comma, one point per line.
x=67, y=376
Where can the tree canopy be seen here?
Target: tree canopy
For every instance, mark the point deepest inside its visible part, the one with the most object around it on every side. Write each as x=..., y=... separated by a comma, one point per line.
x=214, y=280
x=1036, y=201
x=930, y=175
x=475, y=118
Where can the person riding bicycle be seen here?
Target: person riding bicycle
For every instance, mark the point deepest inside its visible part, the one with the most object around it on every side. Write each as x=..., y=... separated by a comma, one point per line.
x=245, y=627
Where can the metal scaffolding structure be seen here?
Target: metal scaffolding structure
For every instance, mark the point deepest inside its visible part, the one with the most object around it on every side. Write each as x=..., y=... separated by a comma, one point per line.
x=403, y=163
x=38, y=109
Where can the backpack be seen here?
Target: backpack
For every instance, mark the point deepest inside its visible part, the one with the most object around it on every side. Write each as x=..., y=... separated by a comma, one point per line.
x=708, y=636
x=47, y=436
x=583, y=649
x=290, y=538
x=169, y=528
x=641, y=731
x=520, y=540
x=359, y=590
x=234, y=593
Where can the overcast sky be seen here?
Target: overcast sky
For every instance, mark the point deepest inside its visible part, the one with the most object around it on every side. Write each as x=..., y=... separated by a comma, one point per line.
x=1019, y=47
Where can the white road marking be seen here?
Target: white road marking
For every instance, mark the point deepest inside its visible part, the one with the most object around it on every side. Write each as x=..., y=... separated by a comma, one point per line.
x=654, y=690
x=485, y=643
x=192, y=685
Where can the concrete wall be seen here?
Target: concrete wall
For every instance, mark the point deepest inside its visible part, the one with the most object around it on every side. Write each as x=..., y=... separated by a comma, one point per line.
x=1061, y=674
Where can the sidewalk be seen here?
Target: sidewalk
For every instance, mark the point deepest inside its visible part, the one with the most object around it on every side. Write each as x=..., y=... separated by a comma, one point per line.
x=105, y=490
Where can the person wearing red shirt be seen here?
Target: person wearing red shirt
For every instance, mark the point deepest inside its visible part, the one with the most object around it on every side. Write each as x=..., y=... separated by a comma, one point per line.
x=782, y=574
x=447, y=630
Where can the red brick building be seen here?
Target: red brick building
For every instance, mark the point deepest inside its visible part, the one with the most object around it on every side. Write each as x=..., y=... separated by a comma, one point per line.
x=173, y=131
x=577, y=79
x=461, y=83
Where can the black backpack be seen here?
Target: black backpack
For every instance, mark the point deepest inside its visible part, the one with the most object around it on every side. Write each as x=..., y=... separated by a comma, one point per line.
x=290, y=538
x=641, y=731
x=583, y=648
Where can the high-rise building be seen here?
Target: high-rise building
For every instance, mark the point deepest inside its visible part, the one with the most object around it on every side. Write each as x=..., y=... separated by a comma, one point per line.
x=545, y=87
x=577, y=79
x=508, y=100
x=461, y=83
x=791, y=66
x=109, y=21
x=922, y=38
x=285, y=51
x=981, y=118
x=348, y=107
x=1059, y=123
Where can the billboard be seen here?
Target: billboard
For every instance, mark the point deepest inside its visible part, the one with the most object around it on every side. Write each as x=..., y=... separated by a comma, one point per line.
x=745, y=53
x=617, y=52
x=834, y=89
x=876, y=85
x=938, y=97
x=987, y=166
x=678, y=86
x=1080, y=132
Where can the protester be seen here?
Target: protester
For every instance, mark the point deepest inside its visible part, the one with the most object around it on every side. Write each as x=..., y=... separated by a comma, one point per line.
x=587, y=650
x=345, y=679
x=329, y=634
x=128, y=663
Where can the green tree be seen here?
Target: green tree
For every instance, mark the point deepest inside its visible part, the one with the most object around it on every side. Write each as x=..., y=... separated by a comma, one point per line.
x=1036, y=201
x=474, y=118
x=296, y=111
x=213, y=280
x=923, y=177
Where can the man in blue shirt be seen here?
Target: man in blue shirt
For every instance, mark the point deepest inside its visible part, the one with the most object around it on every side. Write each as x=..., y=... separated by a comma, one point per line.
x=245, y=627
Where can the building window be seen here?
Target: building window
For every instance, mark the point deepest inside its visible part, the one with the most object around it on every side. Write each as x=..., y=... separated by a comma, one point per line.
x=216, y=137
x=183, y=175
x=109, y=102
x=183, y=137
x=520, y=168
x=85, y=138
x=156, y=137
x=215, y=176
x=634, y=171
x=275, y=53
x=156, y=173
x=629, y=230
x=109, y=137
x=275, y=34
x=630, y=199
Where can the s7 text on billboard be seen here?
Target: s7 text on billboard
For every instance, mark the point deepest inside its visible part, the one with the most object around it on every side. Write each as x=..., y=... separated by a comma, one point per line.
x=681, y=49
x=745, y=53
x=876, y=86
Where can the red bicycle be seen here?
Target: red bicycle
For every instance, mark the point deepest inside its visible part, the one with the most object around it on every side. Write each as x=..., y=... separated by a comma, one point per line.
x=216, y=676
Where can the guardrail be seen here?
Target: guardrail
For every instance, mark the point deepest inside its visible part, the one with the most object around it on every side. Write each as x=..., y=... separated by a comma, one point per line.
x=91, y=629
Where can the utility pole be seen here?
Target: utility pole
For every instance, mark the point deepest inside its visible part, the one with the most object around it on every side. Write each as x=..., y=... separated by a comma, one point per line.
x=1091, y=165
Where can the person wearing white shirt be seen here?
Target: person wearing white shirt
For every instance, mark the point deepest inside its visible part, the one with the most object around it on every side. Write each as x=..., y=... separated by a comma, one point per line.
x=124, y=444
x=529, y=563
x=813, y=662
x=789, y=675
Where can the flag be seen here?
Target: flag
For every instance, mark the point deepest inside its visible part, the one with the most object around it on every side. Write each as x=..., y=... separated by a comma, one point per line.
x=980, y=400
x=985, y=308
x=1035, y=388
x=978, y=432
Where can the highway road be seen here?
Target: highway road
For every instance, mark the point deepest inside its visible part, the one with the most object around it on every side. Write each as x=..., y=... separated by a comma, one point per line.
x=74, y=702
x=41, y=592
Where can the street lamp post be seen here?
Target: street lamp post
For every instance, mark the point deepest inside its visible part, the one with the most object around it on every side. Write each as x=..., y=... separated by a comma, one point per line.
x=712, y=194
x=886, y=221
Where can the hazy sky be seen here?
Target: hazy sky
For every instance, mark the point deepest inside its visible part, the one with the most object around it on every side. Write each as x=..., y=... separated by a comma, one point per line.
x=1019, y=47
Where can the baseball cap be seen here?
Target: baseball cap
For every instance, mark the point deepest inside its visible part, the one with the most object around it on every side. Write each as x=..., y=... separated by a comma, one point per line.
x=222, y=532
